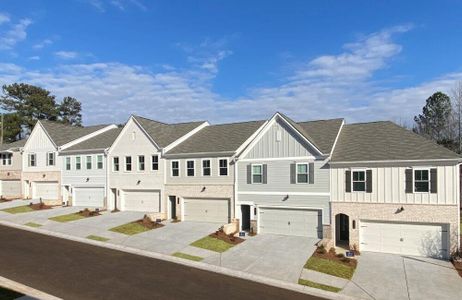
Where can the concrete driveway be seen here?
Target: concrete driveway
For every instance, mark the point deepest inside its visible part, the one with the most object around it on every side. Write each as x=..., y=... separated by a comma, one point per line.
x=389, y=276
x=275, y=256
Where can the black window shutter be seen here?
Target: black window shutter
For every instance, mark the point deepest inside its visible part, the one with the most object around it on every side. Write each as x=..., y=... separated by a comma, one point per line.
x=368, y=181
x=348, y=181
x=433, y=181
x=249, y=174
x=409, y=187
x=311, y=173
x=265, y=174
x=292, y=173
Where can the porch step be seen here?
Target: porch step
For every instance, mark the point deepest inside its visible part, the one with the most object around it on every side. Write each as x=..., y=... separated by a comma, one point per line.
x=322, y=278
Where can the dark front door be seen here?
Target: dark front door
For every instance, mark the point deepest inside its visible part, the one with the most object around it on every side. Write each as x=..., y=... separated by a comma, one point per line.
x=245, y=210
x=344, y=227
x=172, y=200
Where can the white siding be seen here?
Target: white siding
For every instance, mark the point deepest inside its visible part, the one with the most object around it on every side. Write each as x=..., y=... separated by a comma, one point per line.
x=40, y=144
x=214, y=178
x=76, y=177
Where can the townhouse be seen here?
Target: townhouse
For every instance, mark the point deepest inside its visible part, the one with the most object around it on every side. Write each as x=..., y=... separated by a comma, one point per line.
x=41, y=168
x=11, y=169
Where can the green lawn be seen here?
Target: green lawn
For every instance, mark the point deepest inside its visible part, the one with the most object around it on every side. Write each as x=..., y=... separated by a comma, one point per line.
x=319, y=286
x=32, y=224
x=6, y=294
x=67, y=218
x=213, y=244
x=18, y=209
x=187, y=256
x=97, y=238
x=329, y=267
x=130, y=228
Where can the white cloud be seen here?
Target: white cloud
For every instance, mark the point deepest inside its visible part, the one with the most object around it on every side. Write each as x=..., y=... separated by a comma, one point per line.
x=35, y=57
x=15, y=34
x=66, y=54
x=4, y=18
x=42, y=44
x=328, y=86
x=121, y=5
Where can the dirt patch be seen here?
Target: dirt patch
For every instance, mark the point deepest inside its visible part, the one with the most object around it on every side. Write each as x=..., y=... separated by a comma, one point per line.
x=146, y=222
x=88, y=213
x=39, y=206
x=230, y=239
x=321, y=252
x=458, y=266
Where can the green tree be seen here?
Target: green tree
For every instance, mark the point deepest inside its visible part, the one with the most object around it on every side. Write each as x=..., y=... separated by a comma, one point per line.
x=69, y=111
x=435, y=120
x=11, y=127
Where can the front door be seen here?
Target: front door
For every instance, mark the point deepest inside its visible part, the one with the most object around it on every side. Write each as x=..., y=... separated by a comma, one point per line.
x=344, y=228
x=245, y=210
x=172, y=200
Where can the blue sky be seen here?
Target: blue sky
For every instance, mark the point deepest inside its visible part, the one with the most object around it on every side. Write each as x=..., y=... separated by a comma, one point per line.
x=227, y=61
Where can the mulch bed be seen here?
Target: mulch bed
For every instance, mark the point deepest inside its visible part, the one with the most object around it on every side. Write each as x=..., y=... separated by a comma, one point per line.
x=458, y=266
x=331, y=255
x=230, y=239
x=88, y=213
x=146, y=222
x=39, y=206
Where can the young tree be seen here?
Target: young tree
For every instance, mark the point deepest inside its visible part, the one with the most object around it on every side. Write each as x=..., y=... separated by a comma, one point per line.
x=69, y=111
x=435, y=120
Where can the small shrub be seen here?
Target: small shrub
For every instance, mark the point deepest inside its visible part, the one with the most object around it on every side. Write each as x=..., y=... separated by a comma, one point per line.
x=345, y=259
x=321, y=250
x=332, y=250
x=340, y=255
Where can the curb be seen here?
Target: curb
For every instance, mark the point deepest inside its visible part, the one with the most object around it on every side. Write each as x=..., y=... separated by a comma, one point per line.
x=26, y=290
x=198, y=265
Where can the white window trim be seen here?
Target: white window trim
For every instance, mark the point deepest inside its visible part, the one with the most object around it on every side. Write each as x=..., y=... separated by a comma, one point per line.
x=307, y=172
x=365, y=180
x=429, y=180
x=152, y=162
x=97, y=162
x=48, y=159
x=30, y=160
x=202, y=167
x=251, y=173
x=227, y=165
x=171, y=168
x=70, y=163
x=139, y=164
x=86, y=162
x=186, y=168
x=125, y=163
x=113, y=164
x=80, y=162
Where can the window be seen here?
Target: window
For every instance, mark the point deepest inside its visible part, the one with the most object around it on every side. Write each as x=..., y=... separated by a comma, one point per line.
x=115, y=164
x=68, y=163
x=128, y=163
x=78, y=164
x=6, y=159
x=359, y=181
x=32, y=160
x=141, y=163
x=223, y=167
x=302, y=173
x=421, y=181
x=155, y=162
x=50, y=159
x=89, y=162
x=190, y=168
x=206, y=170
x=99, y=162
x=257, y=173
x=175, y=168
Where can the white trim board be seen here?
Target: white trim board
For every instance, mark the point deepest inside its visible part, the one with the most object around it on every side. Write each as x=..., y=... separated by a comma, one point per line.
x=88, y=136
x=284, y=193
x=304, y=158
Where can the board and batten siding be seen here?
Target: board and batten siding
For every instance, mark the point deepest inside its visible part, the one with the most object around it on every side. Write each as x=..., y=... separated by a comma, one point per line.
x=279, y=141
x=389, y=183
x=40, y=144
x=214, y=178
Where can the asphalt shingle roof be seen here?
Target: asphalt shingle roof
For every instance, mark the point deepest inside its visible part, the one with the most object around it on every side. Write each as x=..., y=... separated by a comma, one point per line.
x=100, y=142
x=382, y=141
x=13, y=145
x=323, y=132
x=62, y=134
x=165, y=134
x=218, y=138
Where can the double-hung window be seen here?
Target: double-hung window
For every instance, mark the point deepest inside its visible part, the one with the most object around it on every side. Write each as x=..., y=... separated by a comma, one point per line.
x=190, y=168
x=78, y=163
x=128, y=163
x=141, y=163
x=68, y=163
x=50, y=159
x=32, y=160
x=206, y=169
x=302, y=173
x=257, y=173
x=155, y=162
x=223, y=167
x=421, y=181
x=6, y=159
x=175, y=168
x=115, y=163
x=88, y=162
x=99, y=162
x=359, y=181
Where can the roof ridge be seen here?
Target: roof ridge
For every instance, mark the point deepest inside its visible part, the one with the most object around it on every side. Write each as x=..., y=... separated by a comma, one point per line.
x=372, y=122
x=233, y=123
x=321, y=120
x=151, y=120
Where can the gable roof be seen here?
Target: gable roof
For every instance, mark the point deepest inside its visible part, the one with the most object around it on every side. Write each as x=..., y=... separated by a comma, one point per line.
x=62, y=134
x=383, y=141
x=300, y=129
x=164, y=134
x=100, y=142
x=218, y=138
x=323, y=132
x=13, y=145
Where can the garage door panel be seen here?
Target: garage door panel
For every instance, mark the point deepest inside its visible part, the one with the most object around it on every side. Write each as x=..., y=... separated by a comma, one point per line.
x=207, y=210
x=138, y=200
x=298, y=222
x=46, y=190
x=89, y=196
x=10, y=187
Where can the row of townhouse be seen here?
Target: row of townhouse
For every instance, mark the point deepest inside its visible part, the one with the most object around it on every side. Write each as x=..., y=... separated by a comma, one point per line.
x=372, y=186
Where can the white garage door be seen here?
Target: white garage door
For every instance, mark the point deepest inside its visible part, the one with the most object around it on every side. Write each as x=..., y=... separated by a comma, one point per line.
x=89, y=196
x=299, y=222
x=141, y=200
x=45, y=190
x=404, y=238
x=206, y=210
x=10, y=188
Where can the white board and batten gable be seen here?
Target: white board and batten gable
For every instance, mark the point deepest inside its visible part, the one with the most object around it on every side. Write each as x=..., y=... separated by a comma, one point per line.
x=39, y=143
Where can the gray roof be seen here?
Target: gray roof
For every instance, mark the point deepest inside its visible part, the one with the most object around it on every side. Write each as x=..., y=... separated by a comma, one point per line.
x=382, y=141
x=218, y=138
x=301, y=130
x=13, y=145
x=323, y=132
x=62, y=134
x=165, y=134
x=100, y=142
